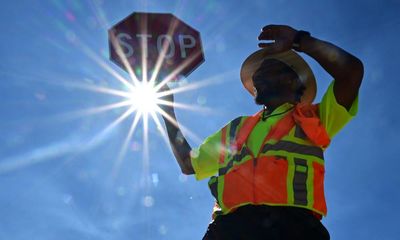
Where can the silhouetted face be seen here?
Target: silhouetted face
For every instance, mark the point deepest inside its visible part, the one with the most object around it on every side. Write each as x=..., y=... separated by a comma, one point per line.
x=275, y=83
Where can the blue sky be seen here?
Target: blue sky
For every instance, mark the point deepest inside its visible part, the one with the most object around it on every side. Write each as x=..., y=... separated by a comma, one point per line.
x=56, y=176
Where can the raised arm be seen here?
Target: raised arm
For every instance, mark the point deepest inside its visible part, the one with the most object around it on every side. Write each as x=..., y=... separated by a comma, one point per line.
x=346, y=69
x=179, y=145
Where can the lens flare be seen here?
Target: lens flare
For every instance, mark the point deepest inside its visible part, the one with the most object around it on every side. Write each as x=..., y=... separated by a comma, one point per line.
x=144, y=97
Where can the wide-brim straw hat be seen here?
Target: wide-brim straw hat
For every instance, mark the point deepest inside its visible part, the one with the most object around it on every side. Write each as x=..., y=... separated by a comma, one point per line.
x=292, y=59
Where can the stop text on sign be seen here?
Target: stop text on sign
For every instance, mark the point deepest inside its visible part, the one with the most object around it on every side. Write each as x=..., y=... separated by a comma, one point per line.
x=155, y=42
x=185, y=42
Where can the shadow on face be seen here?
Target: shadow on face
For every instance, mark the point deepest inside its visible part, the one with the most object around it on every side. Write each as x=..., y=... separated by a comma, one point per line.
x=275, y=83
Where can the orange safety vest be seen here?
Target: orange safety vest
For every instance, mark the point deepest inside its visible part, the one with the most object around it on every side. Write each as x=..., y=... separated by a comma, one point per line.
x=287, y=171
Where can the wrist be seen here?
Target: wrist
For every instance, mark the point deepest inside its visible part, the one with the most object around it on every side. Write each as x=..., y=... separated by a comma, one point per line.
x=309, y=45
x=298, y=40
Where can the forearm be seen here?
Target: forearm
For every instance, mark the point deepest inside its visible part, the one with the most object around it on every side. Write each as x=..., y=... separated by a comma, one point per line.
x=180, y=146
x=336, y=61
x=346, y=69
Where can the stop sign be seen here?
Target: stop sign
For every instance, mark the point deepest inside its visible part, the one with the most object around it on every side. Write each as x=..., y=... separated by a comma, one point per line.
x=147, y=36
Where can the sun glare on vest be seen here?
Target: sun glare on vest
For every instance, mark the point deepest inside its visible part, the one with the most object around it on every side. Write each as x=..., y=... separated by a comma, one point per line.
x=144, y=97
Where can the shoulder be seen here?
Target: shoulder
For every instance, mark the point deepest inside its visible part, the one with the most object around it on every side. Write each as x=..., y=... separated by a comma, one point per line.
x=333, y=115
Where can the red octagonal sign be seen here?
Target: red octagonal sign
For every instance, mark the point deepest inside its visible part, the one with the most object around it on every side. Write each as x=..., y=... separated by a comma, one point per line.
x=146, y=40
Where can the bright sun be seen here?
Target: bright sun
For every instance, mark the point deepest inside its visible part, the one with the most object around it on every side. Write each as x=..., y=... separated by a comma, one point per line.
x=144, y=98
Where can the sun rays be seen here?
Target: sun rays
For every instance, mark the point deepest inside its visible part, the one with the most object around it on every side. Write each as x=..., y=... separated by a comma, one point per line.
x=145, y=103
x=143, y=94
x=143, y=99
x=137, y=96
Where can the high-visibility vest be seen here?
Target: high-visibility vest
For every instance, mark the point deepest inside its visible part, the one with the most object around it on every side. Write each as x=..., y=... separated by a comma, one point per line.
x=287, y=171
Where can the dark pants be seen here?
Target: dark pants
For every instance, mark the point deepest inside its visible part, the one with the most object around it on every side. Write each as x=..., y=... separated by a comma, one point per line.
x=267, y=223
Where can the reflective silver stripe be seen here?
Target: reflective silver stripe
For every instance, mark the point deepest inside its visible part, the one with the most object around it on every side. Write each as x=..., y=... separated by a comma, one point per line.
x=299, y=133
x=237, y=155
x=236, y=158
x=232, y=132
x=294, y=148
x=300, y=181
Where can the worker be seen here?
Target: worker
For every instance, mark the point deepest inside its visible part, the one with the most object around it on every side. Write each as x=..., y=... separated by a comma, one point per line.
x=267, y=170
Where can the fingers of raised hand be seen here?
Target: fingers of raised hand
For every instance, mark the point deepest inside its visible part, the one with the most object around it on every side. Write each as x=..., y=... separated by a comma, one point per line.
x=266, y=34
x=267, y=46
x=275, y=47
x=272, y=27
x=270, y=32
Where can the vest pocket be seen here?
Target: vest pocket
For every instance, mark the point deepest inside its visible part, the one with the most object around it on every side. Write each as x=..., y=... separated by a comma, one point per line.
x=270, y=180
x=319, y=197
x=238, y=185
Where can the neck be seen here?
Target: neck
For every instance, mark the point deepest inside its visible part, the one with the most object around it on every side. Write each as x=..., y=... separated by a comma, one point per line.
x=271, y=106
x=271, y=102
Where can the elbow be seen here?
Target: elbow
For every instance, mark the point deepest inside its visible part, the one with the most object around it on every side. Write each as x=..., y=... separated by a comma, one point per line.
x=187, y=171
x=354, y=74
x=187, y=168
x=357, y=72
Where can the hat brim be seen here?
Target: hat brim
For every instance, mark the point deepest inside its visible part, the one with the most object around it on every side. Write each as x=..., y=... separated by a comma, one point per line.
x=292, y=59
